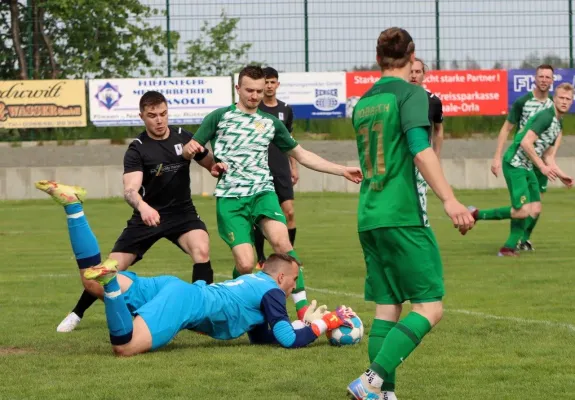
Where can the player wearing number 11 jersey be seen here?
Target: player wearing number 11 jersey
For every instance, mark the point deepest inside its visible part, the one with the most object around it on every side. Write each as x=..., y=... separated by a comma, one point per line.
x=401, y=255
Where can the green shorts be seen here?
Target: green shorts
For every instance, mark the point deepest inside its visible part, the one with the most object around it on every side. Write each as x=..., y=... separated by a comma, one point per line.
x=522, y=185
x=542, y=180
x=402, y=264
x=238, y=215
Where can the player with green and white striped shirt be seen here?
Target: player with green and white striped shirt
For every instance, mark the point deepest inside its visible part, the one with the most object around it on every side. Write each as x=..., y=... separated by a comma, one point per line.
x=522, y=109
x=240, y=136
x=539, y=137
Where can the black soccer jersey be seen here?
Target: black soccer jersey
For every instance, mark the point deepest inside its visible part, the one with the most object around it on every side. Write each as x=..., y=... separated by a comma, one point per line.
x=166, y=181
x=435, y=109
x=277, y=160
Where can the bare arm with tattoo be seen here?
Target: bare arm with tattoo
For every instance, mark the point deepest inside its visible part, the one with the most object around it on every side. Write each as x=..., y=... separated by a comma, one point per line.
x=132, y=184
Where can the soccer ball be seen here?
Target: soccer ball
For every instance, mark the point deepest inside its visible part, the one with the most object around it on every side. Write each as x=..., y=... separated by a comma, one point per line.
x=345, y=335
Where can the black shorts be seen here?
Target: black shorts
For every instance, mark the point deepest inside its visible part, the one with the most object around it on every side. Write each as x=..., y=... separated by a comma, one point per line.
x=137, y=237
x=283, y=188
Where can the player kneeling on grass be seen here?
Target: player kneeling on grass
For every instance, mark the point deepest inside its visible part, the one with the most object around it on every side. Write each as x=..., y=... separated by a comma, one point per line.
x=531, y=147
x=162, y=306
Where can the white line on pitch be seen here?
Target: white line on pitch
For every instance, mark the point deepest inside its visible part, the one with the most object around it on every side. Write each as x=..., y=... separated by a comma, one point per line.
x=554, y=324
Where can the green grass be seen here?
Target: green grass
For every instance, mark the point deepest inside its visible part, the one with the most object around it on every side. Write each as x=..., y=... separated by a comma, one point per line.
x=507, y=333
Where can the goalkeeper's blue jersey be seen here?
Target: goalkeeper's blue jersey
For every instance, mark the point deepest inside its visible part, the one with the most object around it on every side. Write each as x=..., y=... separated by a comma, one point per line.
x=234, y=307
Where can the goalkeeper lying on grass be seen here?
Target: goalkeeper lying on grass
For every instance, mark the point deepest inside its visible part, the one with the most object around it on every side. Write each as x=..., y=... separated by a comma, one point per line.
x=162, y=306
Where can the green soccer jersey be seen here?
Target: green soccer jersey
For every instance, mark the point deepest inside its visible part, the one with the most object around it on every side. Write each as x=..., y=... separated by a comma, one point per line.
x=547, y=127
x=525, y=107
x=393, y=192
x=242, y=141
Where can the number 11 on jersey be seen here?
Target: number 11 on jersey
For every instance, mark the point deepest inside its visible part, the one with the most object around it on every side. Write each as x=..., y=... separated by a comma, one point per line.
x=373, y=156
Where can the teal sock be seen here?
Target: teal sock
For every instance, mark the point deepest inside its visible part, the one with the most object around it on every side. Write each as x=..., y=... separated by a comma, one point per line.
x=529, y=226
x=83, y=241
x=298, y=295
x=399, y=343
x=515, y=234
x=495, y=213
x=379, y=331
x=118, y=317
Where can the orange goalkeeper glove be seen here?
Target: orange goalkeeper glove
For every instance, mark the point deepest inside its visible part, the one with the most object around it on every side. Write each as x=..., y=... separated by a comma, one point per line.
x=333, y=320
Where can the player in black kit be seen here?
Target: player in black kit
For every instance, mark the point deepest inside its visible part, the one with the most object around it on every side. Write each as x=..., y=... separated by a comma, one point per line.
x=283, y=168
x=418, y=70
x=157, y=186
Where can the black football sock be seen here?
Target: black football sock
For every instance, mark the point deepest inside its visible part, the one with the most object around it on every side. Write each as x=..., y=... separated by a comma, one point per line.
x=203, y=272
x=259, y=243
x=85, y=301
x=291, y=233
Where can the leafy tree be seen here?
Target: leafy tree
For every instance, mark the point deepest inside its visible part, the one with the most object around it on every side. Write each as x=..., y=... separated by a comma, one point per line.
x=78, y=38
x=216, y=51
x=533, y=60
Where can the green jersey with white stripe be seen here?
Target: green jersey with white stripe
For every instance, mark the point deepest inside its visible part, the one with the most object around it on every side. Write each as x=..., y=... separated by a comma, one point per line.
x=241, y=140
x=547, y=127
x=525, y=107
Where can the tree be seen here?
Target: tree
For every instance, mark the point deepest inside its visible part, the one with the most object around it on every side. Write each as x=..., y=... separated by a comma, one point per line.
x=470, y=63
x=455, y=64
x=216, y=51
x=533, y=61
x=498, y=65
x=78, y=38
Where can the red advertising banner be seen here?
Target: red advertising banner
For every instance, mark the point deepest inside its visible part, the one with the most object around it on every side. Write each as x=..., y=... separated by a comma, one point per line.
x=472, y=92
x=466, y=92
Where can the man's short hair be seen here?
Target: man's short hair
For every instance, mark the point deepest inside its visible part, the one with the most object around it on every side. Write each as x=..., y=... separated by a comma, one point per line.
x=151, y=98
x=565, y=86
x=254, y=72
x=545, y=66
x=271, y=73
x=275, y=260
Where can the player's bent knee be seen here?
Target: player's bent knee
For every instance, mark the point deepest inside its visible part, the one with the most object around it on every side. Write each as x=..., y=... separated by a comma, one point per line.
x=201, y=254
x=432, y=311
x=244, y=268
x=535, y=209
x=521, y=213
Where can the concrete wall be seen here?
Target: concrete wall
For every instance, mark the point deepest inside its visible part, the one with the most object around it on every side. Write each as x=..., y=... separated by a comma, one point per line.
x=106, y=181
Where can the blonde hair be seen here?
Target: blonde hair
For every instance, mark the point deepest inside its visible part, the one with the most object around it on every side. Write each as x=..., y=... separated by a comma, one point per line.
x=565, y=86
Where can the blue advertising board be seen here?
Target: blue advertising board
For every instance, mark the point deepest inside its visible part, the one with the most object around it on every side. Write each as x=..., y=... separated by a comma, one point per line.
x=521, y=81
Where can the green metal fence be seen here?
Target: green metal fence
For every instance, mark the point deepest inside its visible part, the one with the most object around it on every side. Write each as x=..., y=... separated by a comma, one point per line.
x=320, y=35
x=134, y=38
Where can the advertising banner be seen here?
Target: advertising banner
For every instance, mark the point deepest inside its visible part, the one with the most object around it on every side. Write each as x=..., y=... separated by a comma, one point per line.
x=461, y=92
x=522, y=81
x=115, y=102
x=42, y=104
x=312, y=94
x=469, y=92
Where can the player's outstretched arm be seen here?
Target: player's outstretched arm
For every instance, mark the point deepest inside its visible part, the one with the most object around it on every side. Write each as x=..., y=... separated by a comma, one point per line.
x=428, y=164
x=501, y=139
x=317, y=163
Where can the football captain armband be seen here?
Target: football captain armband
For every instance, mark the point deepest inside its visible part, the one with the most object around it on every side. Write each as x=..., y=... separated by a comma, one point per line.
x=417, y=140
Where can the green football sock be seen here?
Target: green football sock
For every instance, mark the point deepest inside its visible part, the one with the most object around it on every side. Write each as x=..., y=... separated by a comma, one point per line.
x=529, y=226
x=495, y=213
x=298, y=295
x=399, y=343
x=515, y=234
x=377, y=335
x=235, y=273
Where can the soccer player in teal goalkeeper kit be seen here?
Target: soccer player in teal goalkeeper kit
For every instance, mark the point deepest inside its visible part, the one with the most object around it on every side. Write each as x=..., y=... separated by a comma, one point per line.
x=539, y=137
x=164, y=305
x=240, y=136
x=401, y=255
